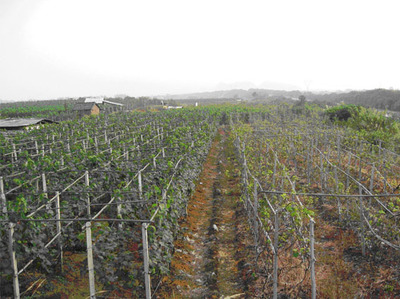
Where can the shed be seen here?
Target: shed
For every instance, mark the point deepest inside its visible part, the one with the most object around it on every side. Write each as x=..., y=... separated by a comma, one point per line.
x=23, y=123
x=97, y=100
x=109, y=106
x=105, y=105
x=86, y=109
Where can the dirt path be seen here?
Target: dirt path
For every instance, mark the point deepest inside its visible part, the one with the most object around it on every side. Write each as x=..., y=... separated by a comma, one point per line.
x=210, y=258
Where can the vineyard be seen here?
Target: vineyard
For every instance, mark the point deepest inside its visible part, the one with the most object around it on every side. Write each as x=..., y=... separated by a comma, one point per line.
x=104, y=185
x=306, y=183
x=105, y=195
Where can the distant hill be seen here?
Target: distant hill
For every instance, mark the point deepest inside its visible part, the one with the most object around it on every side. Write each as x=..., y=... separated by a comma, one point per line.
x=243, y=94
x=250, y=85
x=375, y=98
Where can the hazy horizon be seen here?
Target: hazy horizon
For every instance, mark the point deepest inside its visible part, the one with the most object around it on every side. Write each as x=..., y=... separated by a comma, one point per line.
x=57, y=48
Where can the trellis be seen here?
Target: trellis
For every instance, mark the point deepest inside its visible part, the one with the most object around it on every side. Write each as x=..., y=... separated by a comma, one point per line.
x=322, y=157
x=151, y=146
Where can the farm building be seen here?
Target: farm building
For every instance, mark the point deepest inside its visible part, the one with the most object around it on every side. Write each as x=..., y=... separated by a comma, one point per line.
x=105, y=105
x=172, y=107
x=109, y=106
x=97, y=100
x=86, y=109
x=23, y=123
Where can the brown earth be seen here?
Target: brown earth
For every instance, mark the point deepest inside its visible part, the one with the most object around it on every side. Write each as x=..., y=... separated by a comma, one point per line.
x=211, y=258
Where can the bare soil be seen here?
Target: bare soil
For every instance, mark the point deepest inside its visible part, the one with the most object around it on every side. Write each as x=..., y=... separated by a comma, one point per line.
x=210, y=259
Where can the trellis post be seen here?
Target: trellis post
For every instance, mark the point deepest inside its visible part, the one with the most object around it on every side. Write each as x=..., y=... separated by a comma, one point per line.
x=44, y=188
x=87, y=183
x=347, y=184
x=14, y=153
x=313, y=283
x=96, y=145
x=274, y=171
x=338, y=198
x=147, y=279
x=14, y=264
x=68, y=146
x=361, y=205
x=371, y=186
x=321, y=172
x=3, y=197
x=89, y=248
x=36, y=148
x=276, y=244
x=255, y=212
x=140, y=183
x=58, y=224
x=362, y=229
x=11, y=250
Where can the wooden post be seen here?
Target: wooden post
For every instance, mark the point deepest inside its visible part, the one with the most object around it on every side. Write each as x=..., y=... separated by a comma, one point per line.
x=96, y=145
x=255, y=213
x=321, y=172
x=385, y=178
x=338, y=198
x=308, y=167
x=14, y=264
x=58, y=224
x=11, y=250
x=147, y=279
x=338, y=147
x=140, y=184
x=163, y=153
x=119, y=214
x=44, y=184
x=276, y=244
x=87, y=182
x=313, y=283
x=348, y=172
x=371, y=185
x=36, y=148
x=45, y=195
x=3, y=197
x=15, y=153
x=274, y=171
x=361, y=205
x=90, y=260
x=347, y=185
x=126, y=153
x=362, y=229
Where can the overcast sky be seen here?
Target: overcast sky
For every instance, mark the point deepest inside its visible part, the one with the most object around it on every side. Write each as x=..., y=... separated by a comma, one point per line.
x=60, y=48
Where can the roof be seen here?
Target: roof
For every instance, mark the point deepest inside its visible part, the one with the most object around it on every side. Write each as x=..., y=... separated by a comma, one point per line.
x=112, y=103
x=22, y=122
x=97, y=100
x=83, y=106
